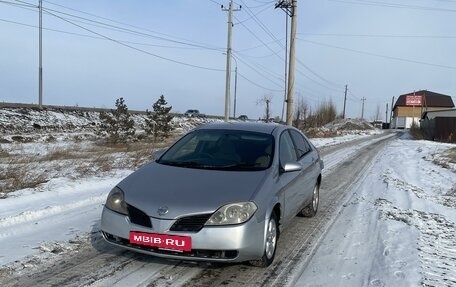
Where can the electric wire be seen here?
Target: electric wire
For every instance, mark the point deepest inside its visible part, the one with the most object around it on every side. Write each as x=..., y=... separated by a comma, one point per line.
x=379, y=55
x=394, y=5
x=129, y=25
x=95, y=37
x=134, y=48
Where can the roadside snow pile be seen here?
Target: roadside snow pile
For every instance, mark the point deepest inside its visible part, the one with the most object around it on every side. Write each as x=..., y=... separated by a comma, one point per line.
x=349, y=125
x=34, y=120
x=341, y=127
x=25, y=120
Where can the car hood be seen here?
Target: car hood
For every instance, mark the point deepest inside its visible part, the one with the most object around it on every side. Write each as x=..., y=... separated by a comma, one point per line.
x=186, y=191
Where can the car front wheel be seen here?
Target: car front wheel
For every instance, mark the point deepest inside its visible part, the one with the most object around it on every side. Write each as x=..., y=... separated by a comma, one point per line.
x=272, y=236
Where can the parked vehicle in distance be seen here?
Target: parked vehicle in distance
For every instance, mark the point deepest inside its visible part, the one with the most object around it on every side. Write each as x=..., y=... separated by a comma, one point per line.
x=243, y=117
x=223, y=193
x=193, y=113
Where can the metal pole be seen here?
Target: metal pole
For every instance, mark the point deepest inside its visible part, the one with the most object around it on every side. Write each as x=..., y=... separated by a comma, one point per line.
x=291, y=73
x=386, y=113
x=362, y=110
x=40, y=68
x=345, y=101
x=286, y=66
x=392, y=109
x=228, y=62
x=235, y=88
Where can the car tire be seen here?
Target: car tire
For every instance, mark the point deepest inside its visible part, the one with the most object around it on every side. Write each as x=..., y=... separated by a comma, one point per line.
x=270, y=246
x=311, y=209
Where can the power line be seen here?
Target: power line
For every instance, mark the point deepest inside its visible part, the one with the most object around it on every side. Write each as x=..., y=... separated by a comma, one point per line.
x=258, y=85
x=251, y=16
x=131, y=26
x=391, y=5
x=130, y=31
x=378, y=35
x=379, y=55
x=135, y=48
x=18, y=4
x=121, y=29
x=95, y=37
x=260, y=73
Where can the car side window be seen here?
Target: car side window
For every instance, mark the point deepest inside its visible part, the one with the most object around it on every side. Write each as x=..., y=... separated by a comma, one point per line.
x=302, y=146
x=286, y=149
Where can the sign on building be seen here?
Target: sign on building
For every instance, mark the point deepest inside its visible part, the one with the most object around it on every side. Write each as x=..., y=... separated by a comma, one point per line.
x=413, y=100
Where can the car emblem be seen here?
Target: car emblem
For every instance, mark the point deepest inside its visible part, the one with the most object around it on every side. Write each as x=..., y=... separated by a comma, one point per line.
x=162, y=210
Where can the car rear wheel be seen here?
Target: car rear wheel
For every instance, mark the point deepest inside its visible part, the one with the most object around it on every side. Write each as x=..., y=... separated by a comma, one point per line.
x=270, y=246
x=311, y=209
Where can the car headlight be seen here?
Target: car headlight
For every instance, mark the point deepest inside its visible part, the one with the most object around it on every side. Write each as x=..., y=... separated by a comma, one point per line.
x=116, y=202
x=234, y=213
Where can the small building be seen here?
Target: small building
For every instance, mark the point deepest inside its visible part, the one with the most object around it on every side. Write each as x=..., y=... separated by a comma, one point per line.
x=439, y=125
x=409, y=107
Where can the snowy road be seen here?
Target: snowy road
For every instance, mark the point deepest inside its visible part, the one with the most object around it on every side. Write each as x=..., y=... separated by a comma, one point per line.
x=91, y=262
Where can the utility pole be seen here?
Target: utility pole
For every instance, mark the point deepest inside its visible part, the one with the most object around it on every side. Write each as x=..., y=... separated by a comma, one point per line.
x=291, y=8
x=345, y=101
x=386, y=113
x=286, y=67
x=228, y=59
x=392, y=105
x=291, y=67
x=362, y=110
x=235, y=88
x=40, y=67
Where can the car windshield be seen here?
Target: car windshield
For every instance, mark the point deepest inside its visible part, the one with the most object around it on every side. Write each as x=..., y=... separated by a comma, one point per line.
x=222, y=150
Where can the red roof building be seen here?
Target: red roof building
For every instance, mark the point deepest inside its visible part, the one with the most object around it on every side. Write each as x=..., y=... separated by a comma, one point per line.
x=409, y=107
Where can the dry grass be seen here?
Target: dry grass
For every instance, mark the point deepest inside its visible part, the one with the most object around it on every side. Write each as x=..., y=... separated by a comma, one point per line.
x=20, y=176
x=73, y=161
x=451, y=154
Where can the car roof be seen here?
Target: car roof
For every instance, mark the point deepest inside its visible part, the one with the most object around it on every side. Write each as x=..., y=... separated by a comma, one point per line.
x=267, y=128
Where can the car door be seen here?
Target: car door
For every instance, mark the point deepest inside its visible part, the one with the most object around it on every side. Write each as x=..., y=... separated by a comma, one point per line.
x=291, y=182
x=308, y=158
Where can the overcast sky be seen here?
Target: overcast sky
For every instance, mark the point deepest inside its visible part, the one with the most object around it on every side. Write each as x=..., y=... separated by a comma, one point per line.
x=379, y=48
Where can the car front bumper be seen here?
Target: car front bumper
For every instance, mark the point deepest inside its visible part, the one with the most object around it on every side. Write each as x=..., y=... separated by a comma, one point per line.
x=232, y=243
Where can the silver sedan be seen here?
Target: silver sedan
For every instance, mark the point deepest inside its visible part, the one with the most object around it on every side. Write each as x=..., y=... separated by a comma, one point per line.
x=223, y=192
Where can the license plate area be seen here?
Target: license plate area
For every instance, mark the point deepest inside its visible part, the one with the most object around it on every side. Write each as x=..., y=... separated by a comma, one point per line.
x=162, y=241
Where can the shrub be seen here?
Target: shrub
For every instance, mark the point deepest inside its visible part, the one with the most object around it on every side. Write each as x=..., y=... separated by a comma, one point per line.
x=118, y=123
x=158, y=123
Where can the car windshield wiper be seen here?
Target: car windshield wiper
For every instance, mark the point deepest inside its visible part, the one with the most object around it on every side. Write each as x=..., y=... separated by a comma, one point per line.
x=186, y=164
x=240, y=166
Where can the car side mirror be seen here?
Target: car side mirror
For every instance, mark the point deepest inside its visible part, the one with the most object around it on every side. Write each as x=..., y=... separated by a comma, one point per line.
x=322, y=165
x=158, y=153
x=291, y=166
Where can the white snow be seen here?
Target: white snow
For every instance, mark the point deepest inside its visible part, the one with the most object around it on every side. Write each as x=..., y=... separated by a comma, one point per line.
x=398, y=227
x=59, y=212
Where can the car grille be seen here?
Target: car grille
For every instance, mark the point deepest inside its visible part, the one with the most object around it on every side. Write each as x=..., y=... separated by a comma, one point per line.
x=193, y=254
x=138, y=217
x=190, y=223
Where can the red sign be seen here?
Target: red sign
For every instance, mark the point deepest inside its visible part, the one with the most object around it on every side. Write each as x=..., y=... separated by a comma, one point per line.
x=413, y=100
x=173, y=242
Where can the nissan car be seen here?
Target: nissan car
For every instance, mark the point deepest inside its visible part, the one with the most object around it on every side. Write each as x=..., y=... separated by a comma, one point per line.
x=222, y=193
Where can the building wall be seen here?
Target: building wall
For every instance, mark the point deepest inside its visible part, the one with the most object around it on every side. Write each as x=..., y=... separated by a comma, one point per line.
x=404, y=122
x=413, y=111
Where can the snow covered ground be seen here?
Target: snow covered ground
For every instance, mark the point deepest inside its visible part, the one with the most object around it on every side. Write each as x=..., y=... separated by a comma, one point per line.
x=396, y=229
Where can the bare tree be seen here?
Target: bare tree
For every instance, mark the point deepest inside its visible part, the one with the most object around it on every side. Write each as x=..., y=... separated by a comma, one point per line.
x=377, y=113
x=301, y=113
x=266, y=100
